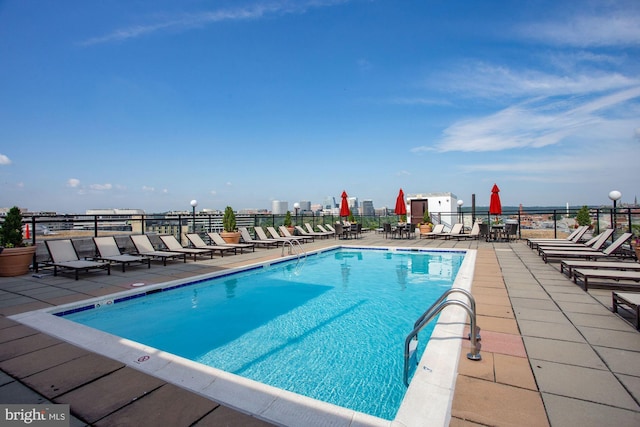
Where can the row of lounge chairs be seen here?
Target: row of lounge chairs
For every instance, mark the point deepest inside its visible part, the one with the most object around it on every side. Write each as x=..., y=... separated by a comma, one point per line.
x=64, y=256
x=588, y=264
x=456, y=232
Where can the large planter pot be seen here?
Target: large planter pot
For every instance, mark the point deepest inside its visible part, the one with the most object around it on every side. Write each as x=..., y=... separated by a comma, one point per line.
x=424, y=229
x=16, y=261
x=231, y=236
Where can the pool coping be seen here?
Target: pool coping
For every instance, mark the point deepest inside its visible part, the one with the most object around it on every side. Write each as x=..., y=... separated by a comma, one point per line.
x=435, y=375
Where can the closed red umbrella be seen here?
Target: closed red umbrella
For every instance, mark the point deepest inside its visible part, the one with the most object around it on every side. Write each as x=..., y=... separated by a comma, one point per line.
x=344, y=205
x=495, y=207
x=401, y=206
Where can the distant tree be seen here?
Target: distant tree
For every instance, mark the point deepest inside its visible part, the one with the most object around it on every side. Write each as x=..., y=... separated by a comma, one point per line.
x=583, y=217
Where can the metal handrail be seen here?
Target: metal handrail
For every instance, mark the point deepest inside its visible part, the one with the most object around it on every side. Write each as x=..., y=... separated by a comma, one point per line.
x=472, y=302
x=431, y=313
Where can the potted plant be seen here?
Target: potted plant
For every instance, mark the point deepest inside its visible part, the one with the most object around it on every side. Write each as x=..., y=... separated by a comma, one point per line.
x=426, y=226
x=287, y=222
x=16, y=257
x=230, y=233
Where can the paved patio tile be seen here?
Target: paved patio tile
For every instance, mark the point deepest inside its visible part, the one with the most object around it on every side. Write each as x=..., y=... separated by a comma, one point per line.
x=614, y=339
x=494, y=310
x=60, y=379
x=572, y=353
x=533, y=303
x=26, y=345
x=498, y=324
x=497, y=342
x=528, y=293
x=585, y=308
x=110, y=393
x=223, y=416
x=514, y=371
x=39, y=360
x=15, y=392
x=15, y=332
x=577, y=382
x=618, y=360
x=599, y=321
x=559, y=331
x=484, y=402
x=167, y=406
x=548, y=316
x=568, y=412
x=482, y=369
x=631, y=383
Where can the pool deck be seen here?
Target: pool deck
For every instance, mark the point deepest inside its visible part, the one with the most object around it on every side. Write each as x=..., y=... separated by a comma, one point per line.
x=552, y=354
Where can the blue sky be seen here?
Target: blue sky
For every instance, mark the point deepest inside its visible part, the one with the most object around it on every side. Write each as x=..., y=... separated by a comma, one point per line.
x=150, y=104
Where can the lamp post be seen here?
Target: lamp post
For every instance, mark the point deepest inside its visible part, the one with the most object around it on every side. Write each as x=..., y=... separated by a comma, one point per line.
x=614, y=195
x=194, y=203
x=296, y=207
x=460, y=214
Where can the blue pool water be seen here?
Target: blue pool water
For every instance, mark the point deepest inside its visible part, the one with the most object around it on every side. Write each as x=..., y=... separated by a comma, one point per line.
x=331, y=327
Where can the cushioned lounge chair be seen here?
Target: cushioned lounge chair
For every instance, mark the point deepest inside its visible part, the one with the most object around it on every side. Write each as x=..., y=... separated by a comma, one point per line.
x=575, y=237
x=109, y=251
x=302, y=232
x=610, y=251
x=173, y=245
x=568, y=265
x=326, y=230
x=302, y=239
x=197, y=242
x=65, y=257
x=144, y=247
x=455, y=230
x=263, y=236
x=437, y=230
x=217, y=240
x=473, y=234
x=274, y=235
x=321, y=233
x=246, y=238
x=612, y=279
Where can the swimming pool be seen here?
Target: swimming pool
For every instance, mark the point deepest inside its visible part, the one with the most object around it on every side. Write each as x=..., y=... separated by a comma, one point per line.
x=323, y=291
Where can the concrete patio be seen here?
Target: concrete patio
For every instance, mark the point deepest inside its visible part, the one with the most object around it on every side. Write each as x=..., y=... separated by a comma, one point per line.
x=552, y=354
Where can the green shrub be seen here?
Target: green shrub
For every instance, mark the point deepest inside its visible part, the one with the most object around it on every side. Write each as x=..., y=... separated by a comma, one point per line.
x=11, y=229
x=229, y=220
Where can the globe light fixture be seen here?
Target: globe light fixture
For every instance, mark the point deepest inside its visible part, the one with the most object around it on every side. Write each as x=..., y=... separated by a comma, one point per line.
x=614, y=195
x=194, y=203
x=460, y=214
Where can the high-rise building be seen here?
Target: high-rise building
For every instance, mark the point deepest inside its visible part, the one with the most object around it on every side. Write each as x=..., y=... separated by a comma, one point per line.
x=329, y=203
x=367, y=208
x=279, y=207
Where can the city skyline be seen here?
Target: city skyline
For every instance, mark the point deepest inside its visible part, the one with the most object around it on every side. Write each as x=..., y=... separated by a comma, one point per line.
x=150, y=105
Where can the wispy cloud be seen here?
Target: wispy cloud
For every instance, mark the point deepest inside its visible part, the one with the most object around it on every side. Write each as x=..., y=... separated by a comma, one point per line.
x=73, y=183
x=536, y=124
x=189, y=21
x=100, y=187
x=619, y=28
x=4, y=160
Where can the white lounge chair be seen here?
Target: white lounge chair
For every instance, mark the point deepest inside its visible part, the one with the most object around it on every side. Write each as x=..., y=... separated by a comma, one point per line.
x=437, y=230
x=65, y=257
x=302, y=239
x=109, y=251
x=610, y=251
x=172, y=244
x=263, y=236
x=574, y=237
x=594, y=244
x=568, y=265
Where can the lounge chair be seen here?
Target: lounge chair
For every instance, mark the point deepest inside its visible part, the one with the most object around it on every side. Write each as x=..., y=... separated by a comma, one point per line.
x=567, y=265
x=172, y=244
x=455, y=230
x=330, y=228
x=631, y=300
x=263, y=236
x=109, y=251
x=65, y=257
x=610, y=251
x=302, y=239
x=246, y=238
x=144, y=247
x=274, y=235
x=314, y=234
x=217, y=240
x=474, y=234
x=321, y=233
x=326, y=230
x=594, y=244
x=585, y=275
x=575, y=237
x=196, y=241
x=437, y=230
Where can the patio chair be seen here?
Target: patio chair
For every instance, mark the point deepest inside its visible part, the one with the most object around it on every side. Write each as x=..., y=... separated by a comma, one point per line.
x=326, y=230
x=575, y=236
x=263, y=236
x=302, y=239
x=342, y=232
x=302, y=232
x=437, y=230
x=567, y=265
x=388, y=229
x=484, y=232
x=610, y=251
x=172, y=244
x=473, y=234
x=585, y=275
x=109, y=251
x=321, y=233
x=246, y=238
x=217, y=240
x=595, y=244
x=65, y=257
x=144, y=247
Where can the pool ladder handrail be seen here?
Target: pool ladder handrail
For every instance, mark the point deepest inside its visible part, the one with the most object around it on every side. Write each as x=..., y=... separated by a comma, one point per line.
x=293, y=248
x=433, y=311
